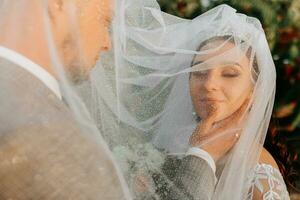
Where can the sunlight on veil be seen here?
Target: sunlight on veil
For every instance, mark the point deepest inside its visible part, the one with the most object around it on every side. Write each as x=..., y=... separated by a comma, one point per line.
x=151, y=101
x=129, y=127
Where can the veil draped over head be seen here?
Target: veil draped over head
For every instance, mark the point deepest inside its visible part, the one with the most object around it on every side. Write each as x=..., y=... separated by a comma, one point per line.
x=50, y=146
x=155, y=91
x=144, y=100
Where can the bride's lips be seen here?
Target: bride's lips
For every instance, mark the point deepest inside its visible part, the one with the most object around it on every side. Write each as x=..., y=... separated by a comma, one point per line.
x=210, y=100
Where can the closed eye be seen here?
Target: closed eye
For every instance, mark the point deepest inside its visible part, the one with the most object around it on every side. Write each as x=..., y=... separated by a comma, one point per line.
x=230, y=75
x=230, y=72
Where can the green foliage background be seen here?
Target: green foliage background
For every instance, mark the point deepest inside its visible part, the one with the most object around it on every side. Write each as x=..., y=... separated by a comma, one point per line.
x=281, y=22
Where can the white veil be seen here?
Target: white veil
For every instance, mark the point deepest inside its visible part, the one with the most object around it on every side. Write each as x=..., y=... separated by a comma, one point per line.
x=50, y=146
x=136, y=101
x=149, y=114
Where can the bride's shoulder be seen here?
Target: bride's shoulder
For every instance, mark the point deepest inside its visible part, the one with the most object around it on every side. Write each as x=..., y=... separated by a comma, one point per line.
x=267, y=158
x=265, y=180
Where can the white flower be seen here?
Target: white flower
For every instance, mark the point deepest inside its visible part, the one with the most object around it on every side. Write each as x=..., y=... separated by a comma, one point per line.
x=138, y=157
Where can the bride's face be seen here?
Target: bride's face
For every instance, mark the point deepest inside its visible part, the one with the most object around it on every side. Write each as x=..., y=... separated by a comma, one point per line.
x=222, y=89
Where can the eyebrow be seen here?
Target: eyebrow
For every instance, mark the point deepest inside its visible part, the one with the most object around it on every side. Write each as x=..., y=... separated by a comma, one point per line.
x=110, y=16
x=111, y=13
x=108, y=20
x=226, y=63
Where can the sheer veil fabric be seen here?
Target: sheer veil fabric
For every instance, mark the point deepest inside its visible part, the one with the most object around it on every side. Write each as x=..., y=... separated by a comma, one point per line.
x=160, y=82
x=50, y=146
x=117, y=128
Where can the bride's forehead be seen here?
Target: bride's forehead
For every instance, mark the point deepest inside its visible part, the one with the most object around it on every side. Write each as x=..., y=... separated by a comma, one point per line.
x=221, y=51
x=219, y=45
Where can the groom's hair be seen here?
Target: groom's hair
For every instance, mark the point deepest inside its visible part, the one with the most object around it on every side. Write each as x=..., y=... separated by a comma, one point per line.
x=231, y=39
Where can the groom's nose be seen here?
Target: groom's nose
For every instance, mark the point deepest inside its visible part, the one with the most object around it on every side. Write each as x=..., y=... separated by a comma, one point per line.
x=106, y=45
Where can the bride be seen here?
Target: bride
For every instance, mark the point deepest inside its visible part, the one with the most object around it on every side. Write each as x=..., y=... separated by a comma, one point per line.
x=222, y=97
x=203, y=88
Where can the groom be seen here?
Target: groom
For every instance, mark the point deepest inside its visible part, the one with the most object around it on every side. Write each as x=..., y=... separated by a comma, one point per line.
x=44, y=153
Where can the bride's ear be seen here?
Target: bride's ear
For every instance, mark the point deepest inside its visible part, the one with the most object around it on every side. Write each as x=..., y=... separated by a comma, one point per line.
x=250, y=100
x=251, y=93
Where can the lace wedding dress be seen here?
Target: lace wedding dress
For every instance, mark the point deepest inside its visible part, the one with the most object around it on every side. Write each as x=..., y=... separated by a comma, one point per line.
x=265, y=182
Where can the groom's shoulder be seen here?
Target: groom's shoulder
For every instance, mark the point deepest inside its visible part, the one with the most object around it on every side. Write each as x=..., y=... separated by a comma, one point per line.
x=25, y=99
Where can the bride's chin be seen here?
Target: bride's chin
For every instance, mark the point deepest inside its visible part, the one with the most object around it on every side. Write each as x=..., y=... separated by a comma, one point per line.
x=209, y=110
x=223, y=116
x=218, y=117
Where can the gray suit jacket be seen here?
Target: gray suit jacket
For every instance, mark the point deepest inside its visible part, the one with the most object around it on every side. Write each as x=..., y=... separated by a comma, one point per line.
x=190, y=178
x=44, y=153
x=195, y=179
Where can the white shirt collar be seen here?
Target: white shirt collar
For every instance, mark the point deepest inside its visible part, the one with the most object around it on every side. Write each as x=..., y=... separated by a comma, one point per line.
x=33, y=68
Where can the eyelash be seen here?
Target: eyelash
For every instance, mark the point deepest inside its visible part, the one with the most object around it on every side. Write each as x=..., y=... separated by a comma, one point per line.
x=230, y=75
x=202, y=74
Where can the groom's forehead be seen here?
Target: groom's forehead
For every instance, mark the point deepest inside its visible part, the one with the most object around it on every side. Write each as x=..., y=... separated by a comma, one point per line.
x=105, y=7
x=102, y=8
x=100, y=3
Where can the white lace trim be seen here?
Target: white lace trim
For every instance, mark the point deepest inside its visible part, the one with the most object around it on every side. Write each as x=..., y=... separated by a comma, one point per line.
x=267, y=181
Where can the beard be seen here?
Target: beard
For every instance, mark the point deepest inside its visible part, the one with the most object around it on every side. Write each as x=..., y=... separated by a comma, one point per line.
x=77, y=72
x=77, y=69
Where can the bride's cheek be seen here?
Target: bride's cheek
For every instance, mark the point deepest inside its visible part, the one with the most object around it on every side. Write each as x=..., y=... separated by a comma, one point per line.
x=227, y=107
x=220, y=110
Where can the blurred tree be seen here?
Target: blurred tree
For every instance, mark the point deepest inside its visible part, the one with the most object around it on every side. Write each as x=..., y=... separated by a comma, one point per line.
x=186, y=9
x=281, y=22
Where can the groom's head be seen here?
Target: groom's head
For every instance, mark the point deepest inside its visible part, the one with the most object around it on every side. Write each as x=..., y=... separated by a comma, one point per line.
x=79, y=29
x=81, y=32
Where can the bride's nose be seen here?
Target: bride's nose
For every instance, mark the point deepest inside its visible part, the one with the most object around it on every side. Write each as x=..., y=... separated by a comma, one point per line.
x=211, y=82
